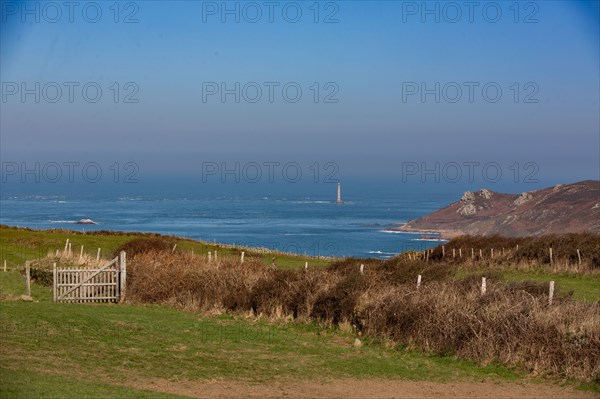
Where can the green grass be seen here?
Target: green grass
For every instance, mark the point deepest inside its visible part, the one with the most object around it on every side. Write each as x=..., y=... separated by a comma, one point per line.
x=58, y=345
x=58, y=342
x=583, y=287
x=19, y=245
x=26, y=384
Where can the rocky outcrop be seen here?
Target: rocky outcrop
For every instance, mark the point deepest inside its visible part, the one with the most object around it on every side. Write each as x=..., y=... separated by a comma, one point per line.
x=564, y=208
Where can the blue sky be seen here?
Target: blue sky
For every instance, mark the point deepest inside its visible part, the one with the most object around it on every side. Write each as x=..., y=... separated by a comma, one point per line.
x=369, y=58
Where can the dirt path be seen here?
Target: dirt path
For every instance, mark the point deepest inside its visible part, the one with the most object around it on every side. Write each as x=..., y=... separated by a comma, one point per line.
x=361, y=389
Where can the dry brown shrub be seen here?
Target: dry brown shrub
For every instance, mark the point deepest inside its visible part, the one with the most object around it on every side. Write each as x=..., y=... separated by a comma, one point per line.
x=508, y=325
x=143, y=245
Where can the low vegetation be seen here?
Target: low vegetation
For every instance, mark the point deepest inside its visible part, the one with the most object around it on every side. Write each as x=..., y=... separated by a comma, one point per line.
x=447, y=317
x=511, y=323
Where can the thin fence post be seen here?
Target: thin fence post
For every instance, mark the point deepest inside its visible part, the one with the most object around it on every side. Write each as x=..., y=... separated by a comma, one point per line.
x=453, y=253
x=362, y=269
x=98, y=254
x=460, y=253
x=443, y=252
x=483, y=285
x=81, y=253
x=492, y=252
x=305, y=265
x=66, y=245
x=5, y=264
x=418, y=281
x=242, y=257
x=70, y=253
x=123, y=273
x=174, y=248
x=209, y=256
x=480, y=254
x=551, y=293
x=427, y=256
x=54, y=282
x=472, y=254
x=27, y=279
x=578, y=257
x=550, y=255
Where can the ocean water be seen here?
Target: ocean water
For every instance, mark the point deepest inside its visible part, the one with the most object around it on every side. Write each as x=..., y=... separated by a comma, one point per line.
x=303, y=220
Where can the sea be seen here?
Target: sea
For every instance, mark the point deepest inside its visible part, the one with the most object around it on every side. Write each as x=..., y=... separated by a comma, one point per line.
x=300, y=219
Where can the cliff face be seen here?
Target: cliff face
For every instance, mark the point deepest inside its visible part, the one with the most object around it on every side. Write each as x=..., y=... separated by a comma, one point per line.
x=568, y=208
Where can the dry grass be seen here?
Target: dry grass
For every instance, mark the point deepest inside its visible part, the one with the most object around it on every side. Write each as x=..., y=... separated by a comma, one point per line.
x=511, y=323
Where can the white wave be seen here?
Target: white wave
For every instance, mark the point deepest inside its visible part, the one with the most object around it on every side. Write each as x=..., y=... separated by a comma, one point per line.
x=63, y=221
x=421, y=233
x=430, y=239
x=312, y=202
x=382, y=253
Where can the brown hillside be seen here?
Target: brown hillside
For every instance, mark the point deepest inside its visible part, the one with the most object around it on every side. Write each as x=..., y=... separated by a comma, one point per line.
x=564, y=208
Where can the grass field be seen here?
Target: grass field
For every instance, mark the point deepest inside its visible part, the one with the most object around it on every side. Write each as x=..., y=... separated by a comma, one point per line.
x=95, y=348
x=19, y=245
x=104, y=350
x=584, y=287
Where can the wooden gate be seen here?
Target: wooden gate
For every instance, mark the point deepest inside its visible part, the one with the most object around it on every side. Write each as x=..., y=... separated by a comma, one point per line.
x=78, y=285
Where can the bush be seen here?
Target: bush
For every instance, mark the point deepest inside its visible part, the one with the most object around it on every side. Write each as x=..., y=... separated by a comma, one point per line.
x=144, y=245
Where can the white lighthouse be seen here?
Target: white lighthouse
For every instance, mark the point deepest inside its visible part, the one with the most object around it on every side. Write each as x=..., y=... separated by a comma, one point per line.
x=339, y=196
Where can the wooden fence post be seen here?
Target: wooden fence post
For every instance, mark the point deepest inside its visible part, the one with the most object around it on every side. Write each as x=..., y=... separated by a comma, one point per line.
x=427, y=256
x=480, y=254
x=443, y=252
x=5, y=264
x=54, y=282
x=460, y=253
x=418, y=281
x=27, y=279
x=472, y=254
x=362, y=269
x=551, y=293
x=174, y=248
x=305, y=265
x=98, y=255
x=550, y=255
x=70, y=253
x=123, y=275
x=483, y=286
x=453, y=253
x=242, y=257
x=492, y=252
x=578, y=257
x=66, y=245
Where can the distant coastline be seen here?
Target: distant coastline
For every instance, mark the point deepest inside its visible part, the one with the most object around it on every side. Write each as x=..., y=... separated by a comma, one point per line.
x=442, y=233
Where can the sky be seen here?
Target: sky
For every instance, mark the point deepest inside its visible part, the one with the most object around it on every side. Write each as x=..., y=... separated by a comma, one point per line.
x=380, y=89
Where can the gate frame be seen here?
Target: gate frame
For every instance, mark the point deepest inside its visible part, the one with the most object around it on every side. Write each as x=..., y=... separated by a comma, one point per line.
x=120, y=269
